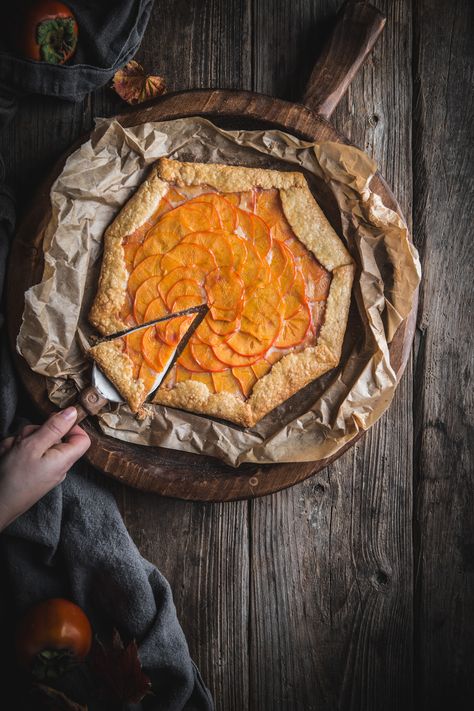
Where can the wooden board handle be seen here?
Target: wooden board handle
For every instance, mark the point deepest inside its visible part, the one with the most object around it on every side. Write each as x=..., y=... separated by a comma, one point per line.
x=89, y=402
x=358, y=26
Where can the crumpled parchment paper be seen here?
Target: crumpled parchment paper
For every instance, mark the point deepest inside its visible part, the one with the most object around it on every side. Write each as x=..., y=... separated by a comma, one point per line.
x=97, y=180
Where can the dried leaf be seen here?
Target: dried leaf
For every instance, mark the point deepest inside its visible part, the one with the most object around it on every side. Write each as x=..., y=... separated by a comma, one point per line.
x=134, y=86
x=120, y=670
x=57, y=701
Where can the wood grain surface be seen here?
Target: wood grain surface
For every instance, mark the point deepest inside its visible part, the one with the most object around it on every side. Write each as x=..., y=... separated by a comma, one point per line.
x=353, y=590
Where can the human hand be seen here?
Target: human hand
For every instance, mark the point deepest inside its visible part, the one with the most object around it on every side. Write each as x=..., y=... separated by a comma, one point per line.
x=36, y=460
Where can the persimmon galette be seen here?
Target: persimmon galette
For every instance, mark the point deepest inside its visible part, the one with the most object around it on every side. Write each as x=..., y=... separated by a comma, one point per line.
x=254, y=246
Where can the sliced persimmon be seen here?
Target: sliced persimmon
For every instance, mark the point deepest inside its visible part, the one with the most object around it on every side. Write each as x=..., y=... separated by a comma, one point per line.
x=246, y=344
x=190, y=255
x=318, y=279
x=186, y=302
x=196, y=216
x=295, y=297
x=187, y=360
x=233, y=198
x=165, y=235
x=295, y=329
x=254, y=271
x=216, y=242
x=224, y=208
x=246, y=377
x=155, y=309
x=181, y=272
x=282, y=232
x=184, y=287
x=148, y=376
x=143, y=271
x=226, y=355
x=129, y=252
x=269, y=206
x=182, y=374
x=225, y=289
x=205, y=357
x=260, y=368
x=226, y=382
x=261, y=236
x=155, y=352
x=205, y=333
x=223, y=327
x=145, y=294
x=239, y=251
x=248, y=200
x=172, y=331
x=287, y=276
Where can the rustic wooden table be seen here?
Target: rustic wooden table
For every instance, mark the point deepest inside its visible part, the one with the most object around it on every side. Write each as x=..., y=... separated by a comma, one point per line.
x=355, y=589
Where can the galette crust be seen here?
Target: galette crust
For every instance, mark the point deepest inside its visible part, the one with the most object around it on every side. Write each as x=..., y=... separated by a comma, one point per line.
x=112, y=291
x=118, y=367
x=293, y=371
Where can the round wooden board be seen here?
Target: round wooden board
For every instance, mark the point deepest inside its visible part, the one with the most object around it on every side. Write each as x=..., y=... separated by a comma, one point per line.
x=169, y=472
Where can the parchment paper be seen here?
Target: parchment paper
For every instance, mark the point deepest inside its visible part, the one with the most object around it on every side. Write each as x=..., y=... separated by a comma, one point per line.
x=98, y=179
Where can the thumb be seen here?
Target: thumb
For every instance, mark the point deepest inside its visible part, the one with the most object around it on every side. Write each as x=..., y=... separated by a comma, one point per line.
x=53, y=430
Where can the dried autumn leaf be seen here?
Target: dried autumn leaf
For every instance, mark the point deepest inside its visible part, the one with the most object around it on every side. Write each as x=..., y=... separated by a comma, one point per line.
x=120, y=670
x=134, y=86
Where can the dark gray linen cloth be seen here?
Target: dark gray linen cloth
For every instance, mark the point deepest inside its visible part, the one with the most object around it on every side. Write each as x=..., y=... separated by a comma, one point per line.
x=73, y=543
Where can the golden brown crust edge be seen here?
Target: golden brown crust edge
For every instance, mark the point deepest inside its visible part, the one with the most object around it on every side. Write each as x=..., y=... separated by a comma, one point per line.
x=111, y=294
x=226, y=178
x=118, y=368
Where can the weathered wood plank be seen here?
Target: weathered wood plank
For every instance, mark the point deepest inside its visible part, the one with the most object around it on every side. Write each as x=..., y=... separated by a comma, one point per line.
x=331, y=559
x=201, y=549
x=443, y=218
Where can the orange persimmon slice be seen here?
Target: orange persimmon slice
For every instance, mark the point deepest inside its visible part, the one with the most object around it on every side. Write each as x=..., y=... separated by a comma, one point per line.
x=155, y=352
x=287, y=276
x=295, y=297
x=216, y=242
x=181, y=272
x=165, y=235
x=261, y=236
x=224, y=289
x=190, y=255
x=222, y=327
x=155, y=309
x=246, y=377
x=226, y=355
x=182, y=374
x=172, y=331
x=239, y=251
x=143, y=271
x=260, y=368
x=224, y=208
x=318, y=279
x=196, y=217
x=145, y=294
x=129, y=252
x=187, y=360
x=295, y=329
x=205, y=357
x=225, y=381
x=184, y=287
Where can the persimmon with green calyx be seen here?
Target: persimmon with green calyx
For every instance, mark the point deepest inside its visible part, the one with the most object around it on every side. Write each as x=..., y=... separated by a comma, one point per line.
x=52, y=636
x=47, y=31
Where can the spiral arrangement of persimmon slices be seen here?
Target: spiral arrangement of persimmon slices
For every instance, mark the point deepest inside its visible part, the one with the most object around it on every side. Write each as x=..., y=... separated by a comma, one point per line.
x=236, y=252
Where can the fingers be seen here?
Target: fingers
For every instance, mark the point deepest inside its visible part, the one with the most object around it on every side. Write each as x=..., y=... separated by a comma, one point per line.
x=73, y=446
x=53, y=430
